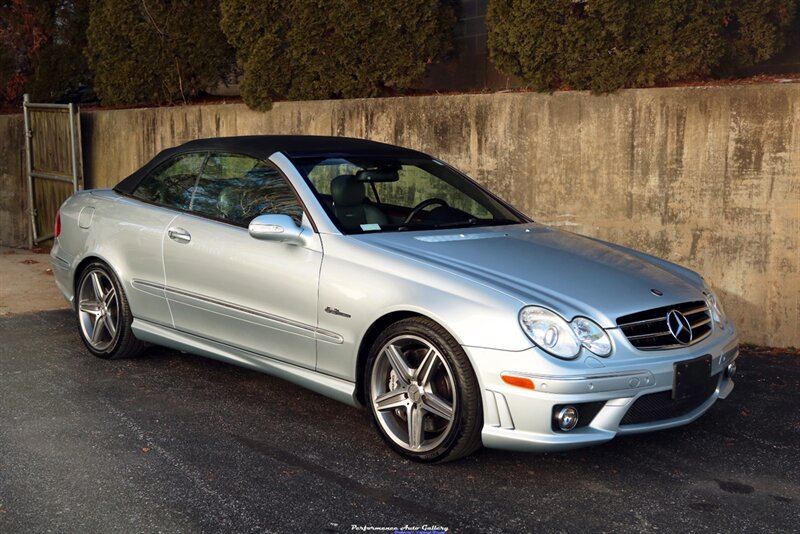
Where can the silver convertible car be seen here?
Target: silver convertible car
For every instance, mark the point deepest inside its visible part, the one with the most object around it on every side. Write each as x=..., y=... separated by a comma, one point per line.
x=383, y=277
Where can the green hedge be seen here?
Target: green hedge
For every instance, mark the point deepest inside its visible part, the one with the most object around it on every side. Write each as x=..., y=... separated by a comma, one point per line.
x=603, y=45
x=313, y=49
x=156, y=51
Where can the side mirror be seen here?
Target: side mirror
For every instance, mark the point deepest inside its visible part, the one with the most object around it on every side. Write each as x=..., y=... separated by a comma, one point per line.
x=279, y=228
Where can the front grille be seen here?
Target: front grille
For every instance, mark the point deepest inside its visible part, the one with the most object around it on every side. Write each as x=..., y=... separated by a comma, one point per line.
x=661, y=406
x=648, y=330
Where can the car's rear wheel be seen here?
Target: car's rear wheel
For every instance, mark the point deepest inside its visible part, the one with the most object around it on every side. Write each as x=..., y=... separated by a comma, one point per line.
x=104, y=317
x=422, y=392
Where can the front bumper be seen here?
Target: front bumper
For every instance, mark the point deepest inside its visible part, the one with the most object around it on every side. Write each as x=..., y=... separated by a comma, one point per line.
x=521, y=419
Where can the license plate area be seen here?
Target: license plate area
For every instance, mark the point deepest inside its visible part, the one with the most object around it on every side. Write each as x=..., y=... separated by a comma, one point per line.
x=690, y=377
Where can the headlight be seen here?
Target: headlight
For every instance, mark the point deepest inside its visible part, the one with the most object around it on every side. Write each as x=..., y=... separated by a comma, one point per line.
x=550, y=332
x=715, y=306
x=591, y=336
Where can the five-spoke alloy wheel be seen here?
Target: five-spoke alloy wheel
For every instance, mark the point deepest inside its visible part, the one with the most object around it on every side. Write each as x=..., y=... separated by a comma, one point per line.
x=98, y=310
x=423, y=393
x=103, y=314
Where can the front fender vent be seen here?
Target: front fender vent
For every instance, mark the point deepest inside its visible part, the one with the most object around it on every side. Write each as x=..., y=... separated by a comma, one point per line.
x=648, y=330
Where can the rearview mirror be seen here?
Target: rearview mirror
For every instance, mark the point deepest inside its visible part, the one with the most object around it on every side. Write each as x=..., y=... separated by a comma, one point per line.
x=377, y=175
x=279, y=228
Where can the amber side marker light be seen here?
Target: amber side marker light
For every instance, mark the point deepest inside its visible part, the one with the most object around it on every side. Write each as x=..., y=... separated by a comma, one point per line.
x=518, y=381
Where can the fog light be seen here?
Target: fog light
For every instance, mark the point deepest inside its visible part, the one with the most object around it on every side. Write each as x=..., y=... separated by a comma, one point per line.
x=567, y=418
x=731, y=370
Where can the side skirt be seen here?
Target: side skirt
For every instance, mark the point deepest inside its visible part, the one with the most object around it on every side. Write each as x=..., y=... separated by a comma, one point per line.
x=335, y=388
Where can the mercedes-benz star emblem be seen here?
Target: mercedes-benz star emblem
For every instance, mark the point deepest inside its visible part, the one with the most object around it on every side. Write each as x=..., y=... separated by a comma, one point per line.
x=657, y=292
x=679, y=327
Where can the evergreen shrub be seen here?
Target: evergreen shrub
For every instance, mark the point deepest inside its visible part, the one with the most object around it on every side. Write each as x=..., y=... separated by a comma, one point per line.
x=603, y=45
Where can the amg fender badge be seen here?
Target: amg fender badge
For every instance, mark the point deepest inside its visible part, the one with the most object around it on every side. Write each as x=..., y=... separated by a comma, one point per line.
x=335, y=311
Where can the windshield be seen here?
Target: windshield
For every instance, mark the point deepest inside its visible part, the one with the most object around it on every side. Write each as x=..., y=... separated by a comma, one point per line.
x=365, y=194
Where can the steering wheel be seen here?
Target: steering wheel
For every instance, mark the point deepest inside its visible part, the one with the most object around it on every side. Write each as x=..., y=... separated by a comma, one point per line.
x=422, y=205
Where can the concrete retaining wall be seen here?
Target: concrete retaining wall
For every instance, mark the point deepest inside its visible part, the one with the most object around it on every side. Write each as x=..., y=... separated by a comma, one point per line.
x=706, y=177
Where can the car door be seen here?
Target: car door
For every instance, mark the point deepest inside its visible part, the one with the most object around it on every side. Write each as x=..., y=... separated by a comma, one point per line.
x=223, y=284
x=140, y=230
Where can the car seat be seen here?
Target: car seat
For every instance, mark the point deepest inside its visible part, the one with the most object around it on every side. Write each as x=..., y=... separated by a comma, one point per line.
x=351, y=206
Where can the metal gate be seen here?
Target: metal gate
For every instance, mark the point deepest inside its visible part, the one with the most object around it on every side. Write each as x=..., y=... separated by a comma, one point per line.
x=53, y=160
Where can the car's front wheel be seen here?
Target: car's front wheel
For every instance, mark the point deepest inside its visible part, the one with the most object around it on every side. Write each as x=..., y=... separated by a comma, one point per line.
x=423, y=395
x=104, y=317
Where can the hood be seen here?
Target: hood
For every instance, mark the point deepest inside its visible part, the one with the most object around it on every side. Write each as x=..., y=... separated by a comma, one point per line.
x=568, y=273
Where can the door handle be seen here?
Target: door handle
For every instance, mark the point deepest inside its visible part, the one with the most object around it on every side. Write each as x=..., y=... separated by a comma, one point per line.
x=179, y=234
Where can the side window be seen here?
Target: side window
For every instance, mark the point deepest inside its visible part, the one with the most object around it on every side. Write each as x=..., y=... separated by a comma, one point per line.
x=172, y=183
x=238, y=188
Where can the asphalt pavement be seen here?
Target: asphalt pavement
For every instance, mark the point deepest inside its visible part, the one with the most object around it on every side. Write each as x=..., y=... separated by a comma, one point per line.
x=170, y=442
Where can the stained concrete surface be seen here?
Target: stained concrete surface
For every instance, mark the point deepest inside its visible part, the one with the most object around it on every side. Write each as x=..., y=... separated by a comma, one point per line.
x=176, y=443
x=708, y=177
x=26, y=282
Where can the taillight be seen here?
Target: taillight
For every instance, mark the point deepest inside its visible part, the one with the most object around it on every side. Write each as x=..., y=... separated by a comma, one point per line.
x=57, y=230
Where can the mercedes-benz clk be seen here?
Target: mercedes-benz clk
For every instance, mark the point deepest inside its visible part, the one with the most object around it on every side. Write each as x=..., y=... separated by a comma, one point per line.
x=385, y=278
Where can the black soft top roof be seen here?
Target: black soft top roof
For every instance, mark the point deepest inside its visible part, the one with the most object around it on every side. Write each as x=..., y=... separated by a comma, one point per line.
x=263, y=146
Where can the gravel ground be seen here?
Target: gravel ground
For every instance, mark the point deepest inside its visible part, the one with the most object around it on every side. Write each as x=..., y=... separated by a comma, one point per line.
x=176, y=443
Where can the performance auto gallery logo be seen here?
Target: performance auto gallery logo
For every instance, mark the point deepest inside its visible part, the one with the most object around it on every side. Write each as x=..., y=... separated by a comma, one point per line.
x=405, y=529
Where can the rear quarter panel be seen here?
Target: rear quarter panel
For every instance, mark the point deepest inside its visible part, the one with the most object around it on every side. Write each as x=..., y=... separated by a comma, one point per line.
x=124, y=233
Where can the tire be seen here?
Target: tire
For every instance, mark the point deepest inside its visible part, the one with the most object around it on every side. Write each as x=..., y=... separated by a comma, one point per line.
x=422, y=393
x=100, y=300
